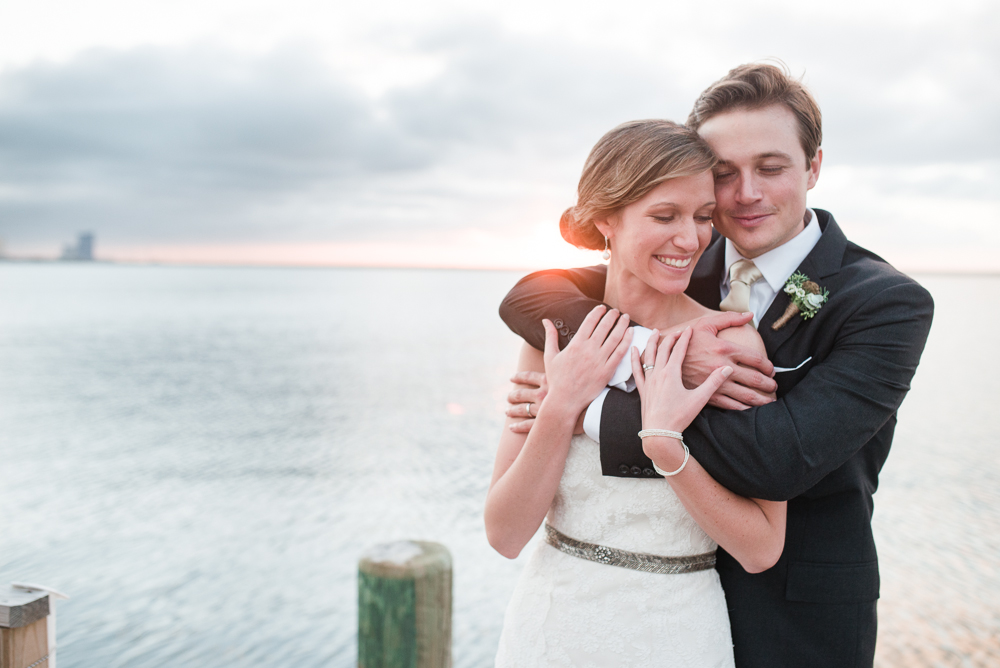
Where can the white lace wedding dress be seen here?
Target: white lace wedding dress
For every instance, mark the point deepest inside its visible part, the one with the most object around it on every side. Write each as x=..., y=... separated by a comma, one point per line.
x=568, y=611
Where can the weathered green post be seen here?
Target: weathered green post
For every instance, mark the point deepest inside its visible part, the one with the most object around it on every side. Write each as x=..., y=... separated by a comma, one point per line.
x=404, y=606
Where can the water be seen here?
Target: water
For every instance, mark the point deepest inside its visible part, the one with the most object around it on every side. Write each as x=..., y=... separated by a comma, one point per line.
x=198, y=457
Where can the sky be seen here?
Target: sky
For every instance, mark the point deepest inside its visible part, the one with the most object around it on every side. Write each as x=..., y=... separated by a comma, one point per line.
x=446, y=133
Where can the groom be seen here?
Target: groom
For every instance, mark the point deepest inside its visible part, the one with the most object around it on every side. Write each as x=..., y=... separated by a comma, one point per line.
x=839, y=376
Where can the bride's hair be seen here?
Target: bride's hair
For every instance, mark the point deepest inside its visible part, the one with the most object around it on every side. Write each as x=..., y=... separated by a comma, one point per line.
x=626, y=164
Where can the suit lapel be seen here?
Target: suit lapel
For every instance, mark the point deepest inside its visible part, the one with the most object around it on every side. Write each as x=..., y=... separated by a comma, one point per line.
x=825, y=259
x=704, y=285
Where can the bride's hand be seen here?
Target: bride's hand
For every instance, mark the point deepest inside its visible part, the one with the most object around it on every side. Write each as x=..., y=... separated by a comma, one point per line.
x=666, y=403
x=578, y=373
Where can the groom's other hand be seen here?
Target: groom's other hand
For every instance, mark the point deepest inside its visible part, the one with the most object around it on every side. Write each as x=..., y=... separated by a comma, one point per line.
x=530, y=389
x=749, y=385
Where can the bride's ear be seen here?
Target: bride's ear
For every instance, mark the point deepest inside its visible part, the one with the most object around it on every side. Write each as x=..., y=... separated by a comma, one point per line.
x=605, y=226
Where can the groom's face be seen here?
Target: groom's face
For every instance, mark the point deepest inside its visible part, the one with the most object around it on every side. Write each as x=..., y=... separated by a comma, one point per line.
x=762, y=177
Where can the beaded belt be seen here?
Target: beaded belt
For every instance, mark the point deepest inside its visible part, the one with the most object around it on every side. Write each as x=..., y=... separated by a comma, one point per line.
x=637, y=561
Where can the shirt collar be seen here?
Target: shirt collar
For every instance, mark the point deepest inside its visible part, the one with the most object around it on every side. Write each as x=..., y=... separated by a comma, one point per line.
x=777, y=264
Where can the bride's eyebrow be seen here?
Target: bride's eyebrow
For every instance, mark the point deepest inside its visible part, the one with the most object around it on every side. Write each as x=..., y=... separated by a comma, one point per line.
x=658, y=206
x=653, y=208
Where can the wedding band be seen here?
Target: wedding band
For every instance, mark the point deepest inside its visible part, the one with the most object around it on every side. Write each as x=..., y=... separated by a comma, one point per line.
x=647, y=367
x=527, y=409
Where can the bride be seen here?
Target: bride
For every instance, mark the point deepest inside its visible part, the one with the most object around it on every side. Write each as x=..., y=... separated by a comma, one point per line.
x=625, y=575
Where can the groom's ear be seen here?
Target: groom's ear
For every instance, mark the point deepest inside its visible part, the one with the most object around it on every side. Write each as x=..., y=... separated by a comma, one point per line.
x=814, y=166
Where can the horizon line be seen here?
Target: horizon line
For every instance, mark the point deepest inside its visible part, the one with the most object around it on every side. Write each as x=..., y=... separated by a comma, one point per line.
x=279, y=265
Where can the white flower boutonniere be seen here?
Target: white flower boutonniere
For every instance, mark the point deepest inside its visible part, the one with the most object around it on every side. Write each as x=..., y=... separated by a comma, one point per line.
x=807, y=299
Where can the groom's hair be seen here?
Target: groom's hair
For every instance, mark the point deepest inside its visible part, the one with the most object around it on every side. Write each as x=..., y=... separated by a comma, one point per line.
x=758, y=85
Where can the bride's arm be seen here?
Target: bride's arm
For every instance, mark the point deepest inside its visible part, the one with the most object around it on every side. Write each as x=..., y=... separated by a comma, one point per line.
x=528, y=466
x=752, y=530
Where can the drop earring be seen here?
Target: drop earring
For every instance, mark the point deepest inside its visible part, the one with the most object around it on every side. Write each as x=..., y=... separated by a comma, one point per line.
x=607, y=251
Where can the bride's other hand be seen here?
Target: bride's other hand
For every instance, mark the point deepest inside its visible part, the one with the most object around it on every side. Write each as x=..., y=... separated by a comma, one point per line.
x=666, y=403
x=578, y=373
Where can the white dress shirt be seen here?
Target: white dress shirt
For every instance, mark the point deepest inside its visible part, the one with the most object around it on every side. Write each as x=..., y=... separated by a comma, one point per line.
x=776, y=265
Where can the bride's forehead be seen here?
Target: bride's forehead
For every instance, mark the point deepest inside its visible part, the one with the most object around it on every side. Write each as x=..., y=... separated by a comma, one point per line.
x=683, y=192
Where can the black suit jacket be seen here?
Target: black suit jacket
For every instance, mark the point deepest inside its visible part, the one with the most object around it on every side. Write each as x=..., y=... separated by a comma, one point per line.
x=820, y=446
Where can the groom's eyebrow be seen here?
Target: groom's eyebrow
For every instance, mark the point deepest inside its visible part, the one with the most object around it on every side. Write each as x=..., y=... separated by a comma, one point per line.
x=773, y=154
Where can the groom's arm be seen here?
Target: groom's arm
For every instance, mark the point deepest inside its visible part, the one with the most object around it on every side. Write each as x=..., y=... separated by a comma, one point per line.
x=564, y=296
x=780, y=450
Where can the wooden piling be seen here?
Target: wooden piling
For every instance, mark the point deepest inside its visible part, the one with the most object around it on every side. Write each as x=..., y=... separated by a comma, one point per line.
x=404, y=606
x=24, y=633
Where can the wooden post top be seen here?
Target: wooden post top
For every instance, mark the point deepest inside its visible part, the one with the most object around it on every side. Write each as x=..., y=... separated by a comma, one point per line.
x=405, y=559
x=21, y=607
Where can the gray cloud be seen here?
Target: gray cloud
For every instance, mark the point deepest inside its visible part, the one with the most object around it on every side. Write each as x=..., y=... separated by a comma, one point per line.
x=904, y=94
x=169, y=144
x=192, y=114
x=199, y=144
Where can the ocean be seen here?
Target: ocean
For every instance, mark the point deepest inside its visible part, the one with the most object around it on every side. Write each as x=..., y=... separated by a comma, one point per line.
x=198, y=456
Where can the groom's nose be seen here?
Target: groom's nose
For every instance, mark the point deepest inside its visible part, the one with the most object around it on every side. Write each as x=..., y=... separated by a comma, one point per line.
x=748, y=191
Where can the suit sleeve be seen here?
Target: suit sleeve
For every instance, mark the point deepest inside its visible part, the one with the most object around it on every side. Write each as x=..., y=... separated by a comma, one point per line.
x=564, y=296
x=780, y=450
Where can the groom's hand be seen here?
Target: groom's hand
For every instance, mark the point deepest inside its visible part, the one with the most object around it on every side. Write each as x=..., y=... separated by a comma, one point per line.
x=525, y=399
x=751, y=382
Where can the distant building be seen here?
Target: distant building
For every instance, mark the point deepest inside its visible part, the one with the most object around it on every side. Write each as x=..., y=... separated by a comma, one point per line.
x=82, y=250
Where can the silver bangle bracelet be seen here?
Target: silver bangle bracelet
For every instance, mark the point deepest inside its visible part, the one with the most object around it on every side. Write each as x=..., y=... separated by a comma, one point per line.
x=667, y=474
x=661, y=432
x=669, y=434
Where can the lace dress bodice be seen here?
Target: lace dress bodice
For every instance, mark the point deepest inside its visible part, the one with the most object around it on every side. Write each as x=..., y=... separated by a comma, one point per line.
x=568, y=611
x=638, y=515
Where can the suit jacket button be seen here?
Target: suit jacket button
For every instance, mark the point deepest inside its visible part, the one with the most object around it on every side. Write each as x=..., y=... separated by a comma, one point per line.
x=564, y=331
x=623, y=469
x=558, y=323
x=636, y=470
x=649, y=472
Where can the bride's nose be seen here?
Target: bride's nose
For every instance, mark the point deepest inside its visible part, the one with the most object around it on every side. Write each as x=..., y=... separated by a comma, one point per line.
x=686, y=238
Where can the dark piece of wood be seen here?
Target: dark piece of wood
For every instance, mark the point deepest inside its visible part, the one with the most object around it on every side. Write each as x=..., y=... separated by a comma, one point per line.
x=404, y=606
x=21, y=607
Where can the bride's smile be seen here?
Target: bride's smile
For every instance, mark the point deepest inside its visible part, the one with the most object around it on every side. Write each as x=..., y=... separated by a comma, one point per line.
x=656, y=242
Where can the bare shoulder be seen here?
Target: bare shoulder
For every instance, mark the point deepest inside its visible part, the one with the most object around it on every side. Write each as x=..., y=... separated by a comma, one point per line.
x=745, y=336
x=531, y=359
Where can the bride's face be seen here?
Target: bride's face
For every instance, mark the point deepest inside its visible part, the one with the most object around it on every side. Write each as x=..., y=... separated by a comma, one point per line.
x=659, y=238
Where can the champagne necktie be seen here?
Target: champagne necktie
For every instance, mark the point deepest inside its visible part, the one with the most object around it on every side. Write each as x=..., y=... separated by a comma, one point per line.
x=742, y=275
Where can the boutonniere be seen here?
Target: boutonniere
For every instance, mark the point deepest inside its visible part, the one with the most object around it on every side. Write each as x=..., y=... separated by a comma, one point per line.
x=807, y=299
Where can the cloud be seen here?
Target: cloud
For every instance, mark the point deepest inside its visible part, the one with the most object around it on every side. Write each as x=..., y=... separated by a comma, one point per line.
x=125, y=134
x=904, y=92
x=202, y=144
x=174, y=143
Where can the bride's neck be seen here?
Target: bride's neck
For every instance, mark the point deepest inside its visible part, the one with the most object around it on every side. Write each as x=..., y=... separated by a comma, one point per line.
x=643, y=304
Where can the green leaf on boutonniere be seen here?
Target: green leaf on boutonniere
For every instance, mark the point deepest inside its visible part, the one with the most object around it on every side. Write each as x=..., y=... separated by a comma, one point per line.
x=807, y=298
